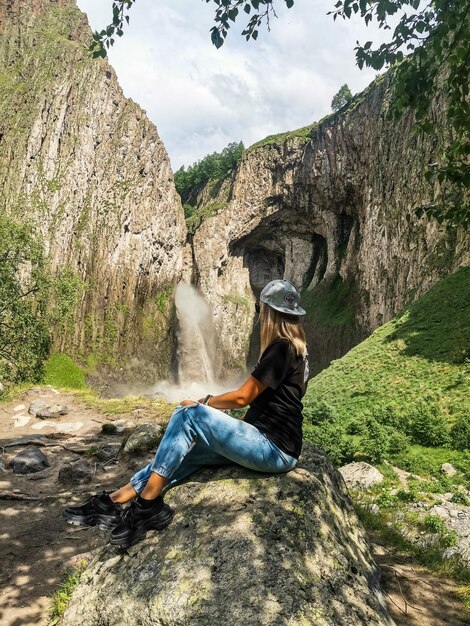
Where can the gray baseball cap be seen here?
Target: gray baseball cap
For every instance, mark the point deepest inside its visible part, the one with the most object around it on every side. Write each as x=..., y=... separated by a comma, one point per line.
x=282, y=296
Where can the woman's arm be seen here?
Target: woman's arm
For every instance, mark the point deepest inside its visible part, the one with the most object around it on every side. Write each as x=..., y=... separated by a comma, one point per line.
x=236, y=399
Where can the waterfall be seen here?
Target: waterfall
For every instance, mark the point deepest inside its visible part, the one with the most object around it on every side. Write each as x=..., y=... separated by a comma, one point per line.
x=196, y=336
x=196, y=351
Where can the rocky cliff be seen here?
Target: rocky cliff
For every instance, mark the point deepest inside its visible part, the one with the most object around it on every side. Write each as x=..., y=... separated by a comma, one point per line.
x=326, y=207
x=86, y=166
x=243, y=548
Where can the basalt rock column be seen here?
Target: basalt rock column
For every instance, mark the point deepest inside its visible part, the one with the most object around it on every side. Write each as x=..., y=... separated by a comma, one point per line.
x=86, y=166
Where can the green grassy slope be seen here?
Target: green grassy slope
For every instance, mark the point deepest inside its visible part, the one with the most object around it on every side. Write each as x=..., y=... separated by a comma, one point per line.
x=403, y=394
x=423, y=354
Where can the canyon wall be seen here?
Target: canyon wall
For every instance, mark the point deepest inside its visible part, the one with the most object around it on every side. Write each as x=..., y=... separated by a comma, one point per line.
x=329, y=207
x=87, y=168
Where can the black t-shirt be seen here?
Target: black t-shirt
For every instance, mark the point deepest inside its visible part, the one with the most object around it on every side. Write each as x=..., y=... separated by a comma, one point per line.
x=277, y=411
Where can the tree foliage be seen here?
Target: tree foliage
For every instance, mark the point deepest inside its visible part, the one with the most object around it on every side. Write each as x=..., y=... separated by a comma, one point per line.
x=428, y=50
x=24, y=333
x=435, y=36
x=212, y=167
x=343, y=96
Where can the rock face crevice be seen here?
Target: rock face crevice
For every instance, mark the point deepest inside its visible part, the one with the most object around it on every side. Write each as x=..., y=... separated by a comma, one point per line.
x=333, y=213
x=243, y=548
x=88, y=169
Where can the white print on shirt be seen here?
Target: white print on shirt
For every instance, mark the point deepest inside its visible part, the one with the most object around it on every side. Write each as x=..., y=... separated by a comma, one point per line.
x=306, y=370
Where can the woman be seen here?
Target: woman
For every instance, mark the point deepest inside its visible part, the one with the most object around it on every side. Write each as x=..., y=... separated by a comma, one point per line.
x=268, y=439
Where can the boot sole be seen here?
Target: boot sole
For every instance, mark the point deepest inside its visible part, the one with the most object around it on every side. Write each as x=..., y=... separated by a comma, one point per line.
x=102, y=521
x=158, y=523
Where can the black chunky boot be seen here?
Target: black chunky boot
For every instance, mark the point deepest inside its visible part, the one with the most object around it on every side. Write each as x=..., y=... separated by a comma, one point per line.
x=140, y=517
x=98, y=510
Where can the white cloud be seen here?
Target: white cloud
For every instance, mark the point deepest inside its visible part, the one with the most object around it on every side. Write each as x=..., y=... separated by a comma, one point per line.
x=201, y=98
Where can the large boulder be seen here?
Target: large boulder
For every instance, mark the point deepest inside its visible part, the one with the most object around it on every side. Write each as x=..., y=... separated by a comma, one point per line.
x=361, y=475
x=243, y=548
x=448, y=470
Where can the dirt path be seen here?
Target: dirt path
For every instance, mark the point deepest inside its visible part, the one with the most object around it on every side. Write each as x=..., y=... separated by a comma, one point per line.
x=414, y=596
x=37, y=546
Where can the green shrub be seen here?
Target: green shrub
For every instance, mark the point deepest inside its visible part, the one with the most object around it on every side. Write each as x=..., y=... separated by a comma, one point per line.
x=386, y=500
x=460, y=498
x=393, y=416
x=374, y=441
x=448, y=538
x=25, y=338
x=398, y=442
x=460, y=433
x=434, y=523
x=428, y=425
x=332, y=439
x=378, y=441
x=356, y=426
x=406, y=496
x=319, y=411
x=67, y=291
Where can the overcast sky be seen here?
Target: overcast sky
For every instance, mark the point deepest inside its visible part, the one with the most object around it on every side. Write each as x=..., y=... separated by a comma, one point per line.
x=202, y=98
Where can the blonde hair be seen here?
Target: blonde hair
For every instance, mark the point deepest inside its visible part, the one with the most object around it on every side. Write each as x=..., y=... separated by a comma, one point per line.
x=274, y=325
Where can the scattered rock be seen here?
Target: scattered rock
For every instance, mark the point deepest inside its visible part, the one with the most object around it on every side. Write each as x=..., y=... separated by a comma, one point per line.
x=3, y=466
x=374, y=508
x=60, y=427
x=428, y=540
x=456, y=517
x=108, y=452
x=37, y=406
x=39, y=440
x=117, y=427
x=244, y=548
x=448, y=470
x=76, y=473
x=56, y=410
x=449, y=553
x=360, y=475
x=29, y=460
x=20, y=407
x=143, y=438
x=21, y=420
x=43, y=413
x=2, y=388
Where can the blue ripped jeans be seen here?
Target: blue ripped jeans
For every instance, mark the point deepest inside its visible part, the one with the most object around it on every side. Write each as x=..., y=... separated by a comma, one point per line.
x=199, y=435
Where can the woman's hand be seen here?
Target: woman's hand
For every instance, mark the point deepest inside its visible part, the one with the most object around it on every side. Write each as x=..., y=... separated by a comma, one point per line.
x=188, y=402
